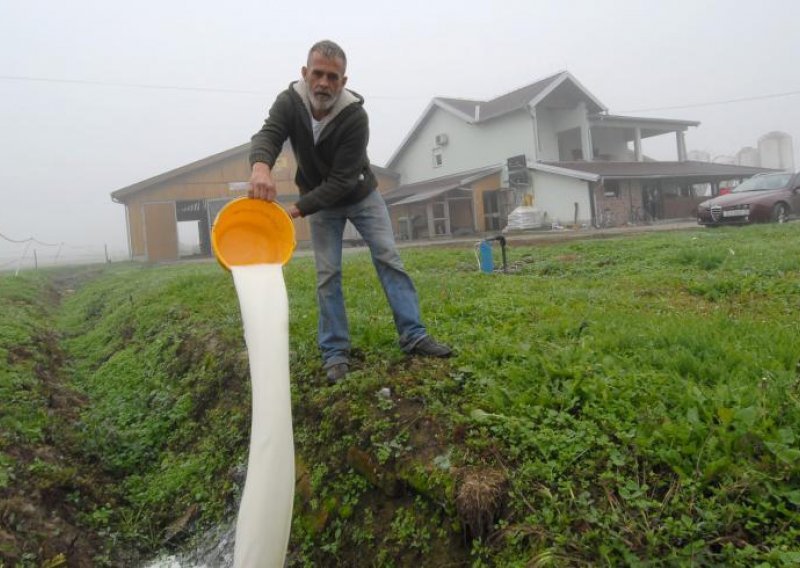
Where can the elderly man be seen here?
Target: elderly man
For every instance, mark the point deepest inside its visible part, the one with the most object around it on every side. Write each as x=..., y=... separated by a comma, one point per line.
x=328, y=129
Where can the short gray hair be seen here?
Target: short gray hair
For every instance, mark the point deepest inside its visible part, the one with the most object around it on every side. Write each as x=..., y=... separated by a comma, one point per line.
x=329, y=49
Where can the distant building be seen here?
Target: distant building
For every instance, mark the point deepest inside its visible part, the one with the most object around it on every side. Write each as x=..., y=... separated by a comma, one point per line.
x=699, y=156
x=724, y=159
x=748, y=156
x=776, y=151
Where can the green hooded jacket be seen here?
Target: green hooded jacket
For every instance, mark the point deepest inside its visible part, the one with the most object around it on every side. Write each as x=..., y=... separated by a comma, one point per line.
x=331, y=173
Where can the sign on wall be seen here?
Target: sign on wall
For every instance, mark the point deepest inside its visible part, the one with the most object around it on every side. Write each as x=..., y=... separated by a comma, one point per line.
x=193, y=210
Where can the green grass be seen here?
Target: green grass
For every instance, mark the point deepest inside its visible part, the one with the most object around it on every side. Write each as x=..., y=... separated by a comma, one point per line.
x=640, y=394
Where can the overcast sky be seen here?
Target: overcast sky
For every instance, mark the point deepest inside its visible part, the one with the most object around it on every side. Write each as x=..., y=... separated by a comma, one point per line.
x=99, y=95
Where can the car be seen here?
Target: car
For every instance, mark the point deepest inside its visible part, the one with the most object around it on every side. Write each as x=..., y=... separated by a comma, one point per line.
x=764, y=198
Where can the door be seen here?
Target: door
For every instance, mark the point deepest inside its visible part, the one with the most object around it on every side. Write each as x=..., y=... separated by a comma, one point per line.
x=160, y=231
x=652, y=201
x=794, y=196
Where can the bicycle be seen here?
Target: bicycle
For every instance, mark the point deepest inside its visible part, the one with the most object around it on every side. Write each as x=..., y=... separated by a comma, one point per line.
x=606, y=219
x=639, y=215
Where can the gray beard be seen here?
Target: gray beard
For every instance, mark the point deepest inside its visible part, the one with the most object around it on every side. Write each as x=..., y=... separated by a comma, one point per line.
x=322, y=104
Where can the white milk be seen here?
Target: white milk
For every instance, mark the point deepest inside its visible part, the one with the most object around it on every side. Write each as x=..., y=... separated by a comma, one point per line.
x=265, y=512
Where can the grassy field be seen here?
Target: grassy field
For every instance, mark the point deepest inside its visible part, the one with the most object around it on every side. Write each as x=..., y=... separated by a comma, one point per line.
x=625, y=401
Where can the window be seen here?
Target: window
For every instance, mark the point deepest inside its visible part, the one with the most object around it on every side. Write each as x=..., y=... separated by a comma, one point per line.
x=611, y=188
x=437, y=158
x=440, y=218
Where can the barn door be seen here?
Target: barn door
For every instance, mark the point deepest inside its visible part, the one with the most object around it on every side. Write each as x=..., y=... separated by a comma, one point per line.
x=160, y=231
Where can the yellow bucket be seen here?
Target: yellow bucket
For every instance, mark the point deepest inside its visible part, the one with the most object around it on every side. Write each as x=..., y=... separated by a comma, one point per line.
x=252, y=231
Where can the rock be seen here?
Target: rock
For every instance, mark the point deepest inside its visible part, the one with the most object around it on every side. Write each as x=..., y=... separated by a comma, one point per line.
x=179, y=527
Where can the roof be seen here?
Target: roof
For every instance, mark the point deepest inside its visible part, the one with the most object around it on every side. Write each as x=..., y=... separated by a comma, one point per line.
x=384, y=171
x=562, y=171
x=599, y=119
x=503, y=104
x=166, y=176
x=476, y=111
x=243, y=149
x=529, y=95
x=437, y=186
x=660, y=170
x=428, y=194
x=648, y=126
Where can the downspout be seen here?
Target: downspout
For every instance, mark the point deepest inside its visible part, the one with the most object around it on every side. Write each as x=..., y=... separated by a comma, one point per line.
x=128, y=232
x=593, y=210
x=535, y=125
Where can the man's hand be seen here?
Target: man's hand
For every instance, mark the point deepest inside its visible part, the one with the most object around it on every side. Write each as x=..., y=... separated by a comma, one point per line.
x=261, y=184
x=294, y=212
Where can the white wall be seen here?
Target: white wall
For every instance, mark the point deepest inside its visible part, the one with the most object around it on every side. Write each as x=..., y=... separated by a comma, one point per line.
x=567, y=119
x=611, y=142
x=473, y=146
x=557, y=195
x=469, y=146
x=554, y=121
x=567, y=142
x=548, y=138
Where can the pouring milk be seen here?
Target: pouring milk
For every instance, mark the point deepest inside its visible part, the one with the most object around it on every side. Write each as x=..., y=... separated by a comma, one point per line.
x=265, y=512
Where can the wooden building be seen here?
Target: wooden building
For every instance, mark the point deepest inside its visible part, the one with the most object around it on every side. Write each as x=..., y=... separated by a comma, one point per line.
x=185, y=201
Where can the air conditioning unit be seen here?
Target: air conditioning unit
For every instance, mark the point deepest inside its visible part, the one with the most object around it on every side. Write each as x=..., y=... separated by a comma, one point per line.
x=441, y=139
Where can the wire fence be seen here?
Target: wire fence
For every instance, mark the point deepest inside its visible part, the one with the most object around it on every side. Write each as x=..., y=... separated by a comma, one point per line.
x=31, y=253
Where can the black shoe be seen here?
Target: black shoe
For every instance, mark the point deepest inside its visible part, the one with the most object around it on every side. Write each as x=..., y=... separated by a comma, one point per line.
x=337, y=372
x=429, y=347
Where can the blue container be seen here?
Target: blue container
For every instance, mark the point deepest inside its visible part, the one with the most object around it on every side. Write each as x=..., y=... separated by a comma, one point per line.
x=485, y=258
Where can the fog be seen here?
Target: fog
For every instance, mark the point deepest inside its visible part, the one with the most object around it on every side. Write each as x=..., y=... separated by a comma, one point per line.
x=96, y=96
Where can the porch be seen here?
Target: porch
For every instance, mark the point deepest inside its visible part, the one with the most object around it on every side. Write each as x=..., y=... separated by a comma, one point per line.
x=643, y=192
x=451, y=206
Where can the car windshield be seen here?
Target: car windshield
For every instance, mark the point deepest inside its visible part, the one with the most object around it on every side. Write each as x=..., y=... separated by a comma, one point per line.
x=760, y=183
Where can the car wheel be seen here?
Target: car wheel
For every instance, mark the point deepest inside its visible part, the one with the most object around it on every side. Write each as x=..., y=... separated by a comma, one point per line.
x=780, y=213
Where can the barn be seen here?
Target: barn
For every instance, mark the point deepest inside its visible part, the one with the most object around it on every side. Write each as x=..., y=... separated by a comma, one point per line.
x=168, y=217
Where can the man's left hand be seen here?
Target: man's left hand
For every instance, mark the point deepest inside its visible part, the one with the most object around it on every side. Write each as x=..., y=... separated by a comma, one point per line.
x=294, y=212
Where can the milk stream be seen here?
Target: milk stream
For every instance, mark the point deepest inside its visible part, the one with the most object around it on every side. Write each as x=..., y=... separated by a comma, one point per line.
x=265, y=512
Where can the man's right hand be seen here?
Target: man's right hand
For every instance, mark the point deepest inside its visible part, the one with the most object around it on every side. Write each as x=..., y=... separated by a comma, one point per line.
x=261, y=184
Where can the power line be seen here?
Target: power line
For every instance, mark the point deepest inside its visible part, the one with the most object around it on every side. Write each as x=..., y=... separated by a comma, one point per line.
x=128, y=85
x=163, y=87
x=714, y=103
x=387, y=97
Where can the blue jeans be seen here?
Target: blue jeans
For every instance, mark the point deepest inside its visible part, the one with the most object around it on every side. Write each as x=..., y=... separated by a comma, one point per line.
x=371, y=217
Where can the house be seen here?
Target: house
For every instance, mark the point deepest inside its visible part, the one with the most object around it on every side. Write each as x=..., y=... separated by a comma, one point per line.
x=466, y=164
x=159, y=209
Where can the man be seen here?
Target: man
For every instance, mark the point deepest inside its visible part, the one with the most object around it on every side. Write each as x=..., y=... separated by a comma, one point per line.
x=328, y=129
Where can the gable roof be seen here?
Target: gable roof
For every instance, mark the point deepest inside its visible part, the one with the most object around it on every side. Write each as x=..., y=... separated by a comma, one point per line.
x=243, y=150
x=529, y=95
x=475, y=112
x=436, y=186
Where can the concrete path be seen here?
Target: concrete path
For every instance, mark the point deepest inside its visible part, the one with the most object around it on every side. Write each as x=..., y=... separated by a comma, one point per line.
x=557, y=235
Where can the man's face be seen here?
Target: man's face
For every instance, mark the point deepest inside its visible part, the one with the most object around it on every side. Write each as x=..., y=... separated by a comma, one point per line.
x=325, y=79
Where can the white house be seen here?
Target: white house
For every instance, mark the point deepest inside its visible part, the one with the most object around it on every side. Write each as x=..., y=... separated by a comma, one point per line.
x=542, y=143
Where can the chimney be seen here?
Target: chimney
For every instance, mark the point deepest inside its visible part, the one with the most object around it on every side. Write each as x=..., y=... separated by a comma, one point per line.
x=477, y=113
